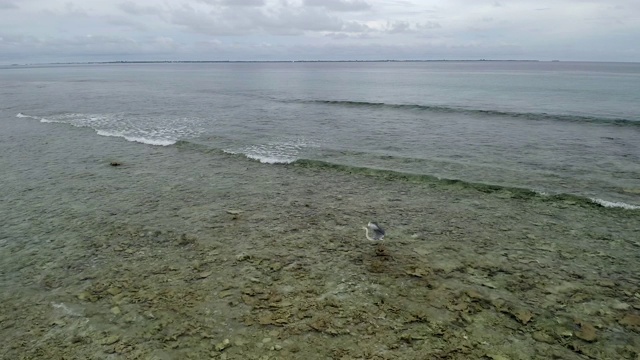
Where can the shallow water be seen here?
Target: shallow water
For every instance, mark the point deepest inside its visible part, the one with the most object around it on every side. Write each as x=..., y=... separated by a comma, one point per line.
x=179, y=249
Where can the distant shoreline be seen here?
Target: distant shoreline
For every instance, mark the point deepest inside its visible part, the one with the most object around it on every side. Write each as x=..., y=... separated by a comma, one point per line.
x=263, y=61
x=300, y=61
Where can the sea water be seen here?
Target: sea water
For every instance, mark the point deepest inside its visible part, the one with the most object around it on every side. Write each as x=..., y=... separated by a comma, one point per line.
x=549, y=127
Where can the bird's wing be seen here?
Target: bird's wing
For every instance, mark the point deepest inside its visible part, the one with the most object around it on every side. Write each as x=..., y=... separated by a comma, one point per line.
x=376, y=228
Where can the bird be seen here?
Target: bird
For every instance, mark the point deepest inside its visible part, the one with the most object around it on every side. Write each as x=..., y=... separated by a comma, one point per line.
x=377, y=232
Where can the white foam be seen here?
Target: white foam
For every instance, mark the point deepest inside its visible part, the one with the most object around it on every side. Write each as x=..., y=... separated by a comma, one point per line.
x=141, y=129
x=156, y=142
x=278, y=152
x=612, y=204
x=139, y=139
x=266, y=159
x=25, y=116
x=109, y=133
x=43, y=120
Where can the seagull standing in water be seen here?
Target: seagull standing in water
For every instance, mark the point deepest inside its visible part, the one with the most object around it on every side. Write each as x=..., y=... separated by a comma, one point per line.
x=377, y=232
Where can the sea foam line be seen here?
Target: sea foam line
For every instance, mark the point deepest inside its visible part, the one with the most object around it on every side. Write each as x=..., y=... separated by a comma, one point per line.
x=264, y=159
x=47, y=121
x=269, y=159
x=615, y=204
x=42, y=120
x=21, y=115
x=139, y=139
x=132, y=138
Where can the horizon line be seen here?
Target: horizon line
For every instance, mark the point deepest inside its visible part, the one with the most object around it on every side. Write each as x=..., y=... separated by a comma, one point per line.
x=302, y=61
x=291, y=61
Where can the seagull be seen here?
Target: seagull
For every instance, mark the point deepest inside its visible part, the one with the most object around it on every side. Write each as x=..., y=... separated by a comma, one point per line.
x=377, y=233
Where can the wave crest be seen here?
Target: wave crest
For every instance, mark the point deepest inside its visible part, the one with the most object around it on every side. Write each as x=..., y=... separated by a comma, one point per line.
x=478, y=112
x=21, y=115
x=103, y=125
x=139, y=139
x=514, y=192
x=269, y=159
x=615, y=204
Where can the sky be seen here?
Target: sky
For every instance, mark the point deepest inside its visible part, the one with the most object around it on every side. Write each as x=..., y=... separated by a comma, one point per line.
x=42, y=31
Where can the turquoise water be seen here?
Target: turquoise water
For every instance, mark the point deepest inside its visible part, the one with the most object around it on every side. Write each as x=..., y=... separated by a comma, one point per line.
x=548, y=127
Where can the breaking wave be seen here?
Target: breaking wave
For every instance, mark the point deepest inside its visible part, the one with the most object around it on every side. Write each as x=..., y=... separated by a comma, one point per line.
x=113, y=125
x=615, y=204
x=139, y=139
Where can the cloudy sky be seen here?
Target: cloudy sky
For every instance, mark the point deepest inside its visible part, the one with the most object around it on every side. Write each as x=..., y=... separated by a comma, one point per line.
x=33, y=31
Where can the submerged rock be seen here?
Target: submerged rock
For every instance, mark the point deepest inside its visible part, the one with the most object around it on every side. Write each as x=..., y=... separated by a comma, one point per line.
x=542, y=336
x=587, y=332
x=631, y=320
x=109, y=340
x=523, y=316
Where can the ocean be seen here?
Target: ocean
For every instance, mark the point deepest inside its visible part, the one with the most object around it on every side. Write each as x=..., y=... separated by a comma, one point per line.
x=548, y=127
x=216, y=210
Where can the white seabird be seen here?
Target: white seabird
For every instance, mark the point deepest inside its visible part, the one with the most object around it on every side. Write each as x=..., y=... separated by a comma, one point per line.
x=377, y=232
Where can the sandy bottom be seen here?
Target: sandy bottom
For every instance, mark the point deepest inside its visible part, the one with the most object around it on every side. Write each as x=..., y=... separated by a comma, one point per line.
x=211, y=256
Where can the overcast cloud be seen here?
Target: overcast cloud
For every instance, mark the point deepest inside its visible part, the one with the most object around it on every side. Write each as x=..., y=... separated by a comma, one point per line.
x=36, y=31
